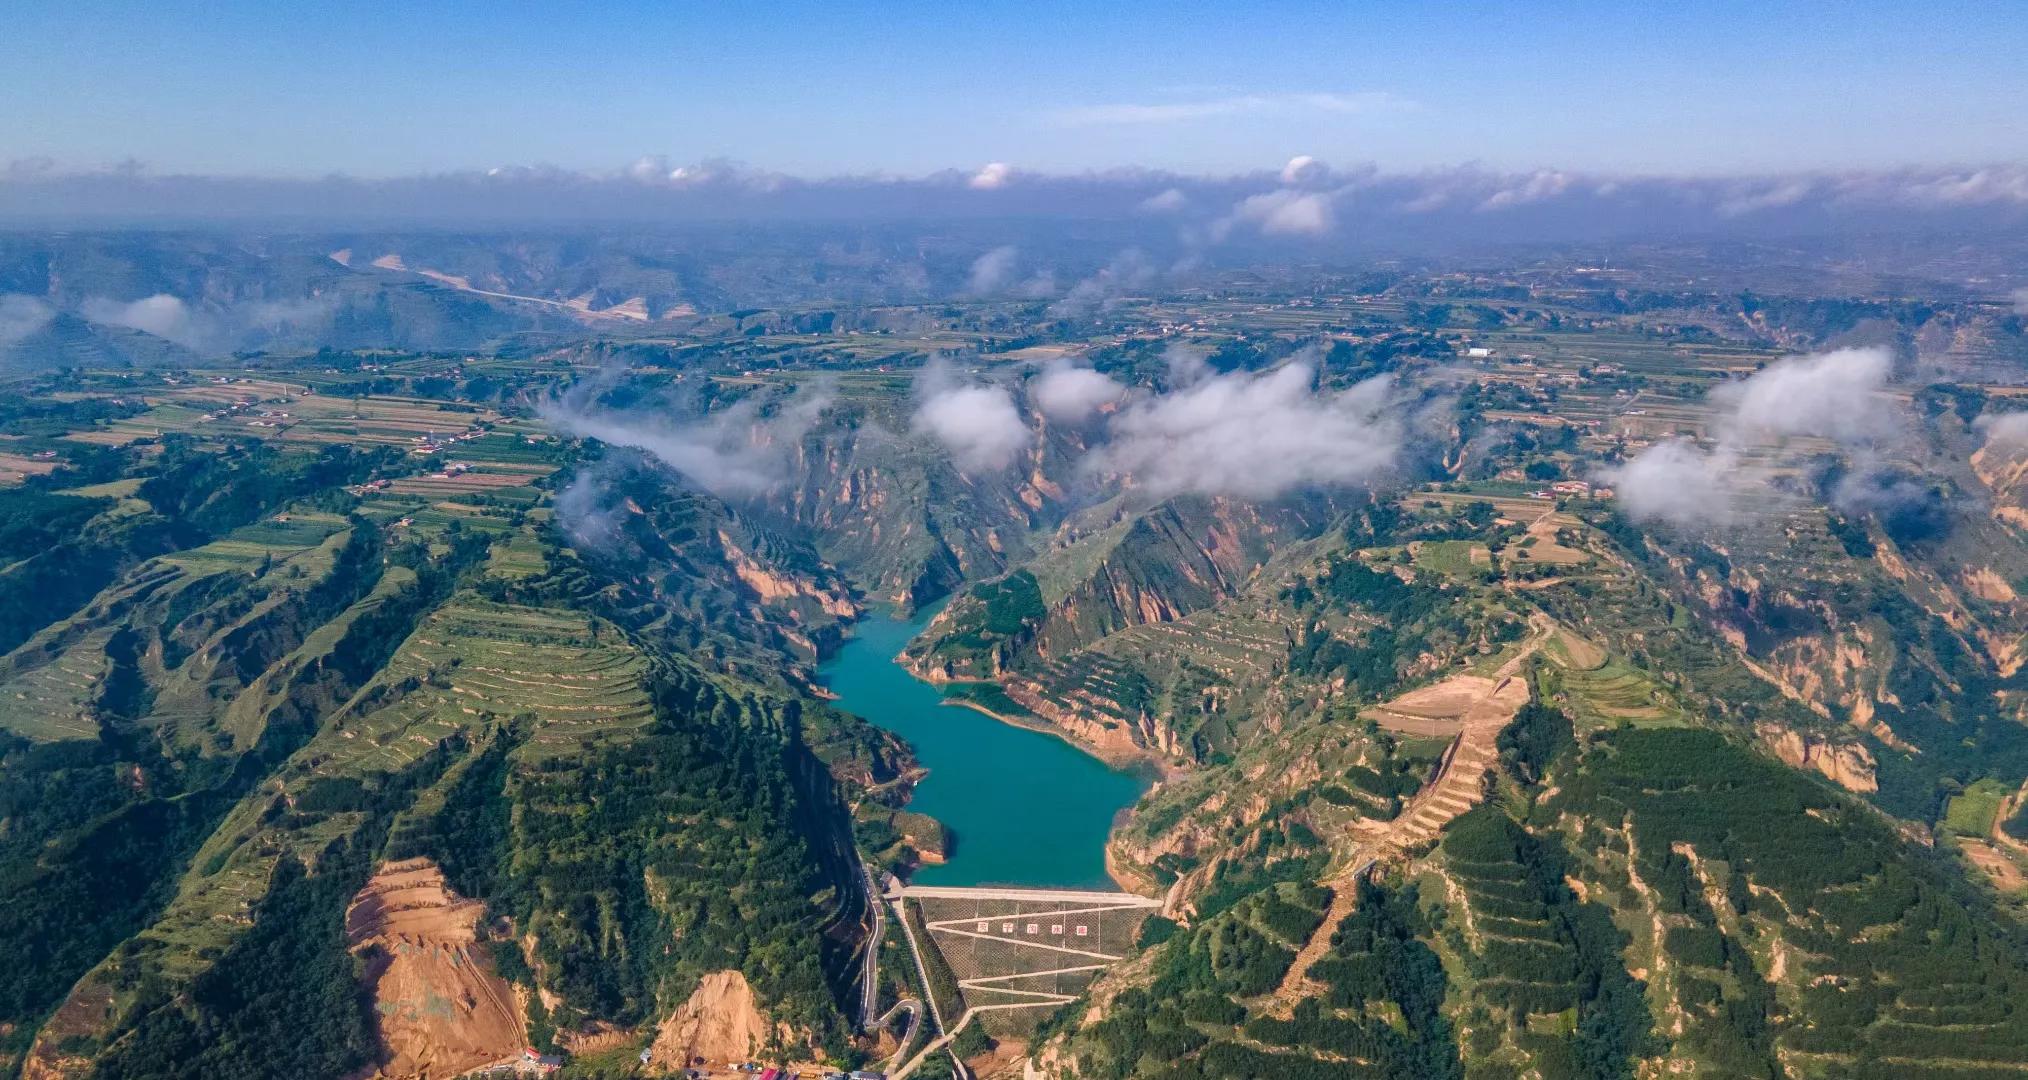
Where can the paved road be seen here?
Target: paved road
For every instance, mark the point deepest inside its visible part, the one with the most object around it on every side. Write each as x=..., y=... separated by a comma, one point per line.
x=914, y=1009
x=922, y=972
x=869, y=989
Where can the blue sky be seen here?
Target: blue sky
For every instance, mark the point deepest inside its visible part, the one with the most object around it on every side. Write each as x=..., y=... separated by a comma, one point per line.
x=382, y=89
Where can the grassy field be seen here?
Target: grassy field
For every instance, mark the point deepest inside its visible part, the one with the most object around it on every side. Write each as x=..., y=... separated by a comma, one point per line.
x=1614, y=693
x=1457, y=558
x=1971, y=813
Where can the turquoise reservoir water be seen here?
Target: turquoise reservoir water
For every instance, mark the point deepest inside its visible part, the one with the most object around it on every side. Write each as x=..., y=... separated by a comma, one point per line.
x=1026, y=808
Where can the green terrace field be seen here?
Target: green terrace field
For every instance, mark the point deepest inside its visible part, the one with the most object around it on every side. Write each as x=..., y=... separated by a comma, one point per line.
x=296, y=536
x=1541, y=969
x=1615, y=693
x=51, y=687
x=473, y=664
x=1236, y=644
x=518, y=556
x=292, y=412
x=1749, y=868
x=466, y=670
x=52, y=698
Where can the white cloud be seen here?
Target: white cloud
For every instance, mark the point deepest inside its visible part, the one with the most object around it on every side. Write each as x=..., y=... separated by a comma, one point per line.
x=655, y=171
x=162, y=315
x=216, y=327
x=1998, y=185
x=2009, y=430
x=654, y=188
x=1284, y=212
x=1834, y=395
x=992, y=271
x=1302, y=169
x=22, y=315
x=1255, y=435
x=1041, y=284
x=1167, y=201
x=1186, y=364
x=978, y=424
x=1072, y=395
x=736, y=451
x=1129, y=270
x=587, y=510
x=647, y=169
x=1768, y=197
x=994, y=176
x=1234, y=106
x=1535, y=187
x=1675, y=482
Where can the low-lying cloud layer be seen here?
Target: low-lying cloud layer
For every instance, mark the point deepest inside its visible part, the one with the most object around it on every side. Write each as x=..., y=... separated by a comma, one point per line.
x=1832, y=395
x=1306, y=199
x=211, y=328
x=2006, y=430
x=993, y=271
x=1073, y=395
x=1677, y=482
x=1254, y=435
x=1835, y=396
x=736, y=451
x=22, y=315
x=162, y=315
x=1246, y=434
x=978, y=423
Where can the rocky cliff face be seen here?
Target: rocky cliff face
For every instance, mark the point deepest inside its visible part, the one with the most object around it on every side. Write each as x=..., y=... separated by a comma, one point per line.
x=1160, y=565
x=899, y=518
x=779, y=585
x=1132, y=616
x=1849, y=765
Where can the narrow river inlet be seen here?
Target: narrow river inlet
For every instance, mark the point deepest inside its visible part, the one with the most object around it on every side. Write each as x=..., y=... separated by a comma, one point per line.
x=1026, y=808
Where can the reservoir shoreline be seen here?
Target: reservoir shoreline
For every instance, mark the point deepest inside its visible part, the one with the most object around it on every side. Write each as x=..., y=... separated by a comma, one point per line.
x=1132, y=763
x=1025, y=804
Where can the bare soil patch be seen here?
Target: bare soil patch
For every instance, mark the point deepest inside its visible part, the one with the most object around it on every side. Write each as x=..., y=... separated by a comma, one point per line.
x=721, y=1022
x=440, y=1008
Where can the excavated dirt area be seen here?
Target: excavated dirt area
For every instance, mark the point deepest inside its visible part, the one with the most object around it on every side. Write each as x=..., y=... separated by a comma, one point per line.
x=1438, y=709
x=1483, y=707
x=439, y=1007
x=1546, y=548
x=721, y=1022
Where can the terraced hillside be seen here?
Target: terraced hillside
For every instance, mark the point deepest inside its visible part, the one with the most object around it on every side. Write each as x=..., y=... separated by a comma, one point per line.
x=1487, y=902
x=483, y=705
x=353, y=721
x=302, y=674
x=1634, y=908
